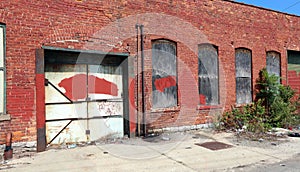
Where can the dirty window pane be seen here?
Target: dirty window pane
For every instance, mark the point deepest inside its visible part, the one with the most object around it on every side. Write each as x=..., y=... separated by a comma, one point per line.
x=273, y=63
x=164, y=74
x=243, y=70
x=2, y=71
x=243, y=90
x=208, y=74
x=243, y=63
x=1, y=47
x=293, y=70
x=1, y=92
x=294, y=61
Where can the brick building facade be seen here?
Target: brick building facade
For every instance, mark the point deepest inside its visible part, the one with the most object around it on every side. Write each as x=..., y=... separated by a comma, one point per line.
x=200, y=58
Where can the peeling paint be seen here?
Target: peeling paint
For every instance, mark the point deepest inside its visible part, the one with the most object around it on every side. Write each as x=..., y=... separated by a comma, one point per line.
x=102, y=86
x=76, y=86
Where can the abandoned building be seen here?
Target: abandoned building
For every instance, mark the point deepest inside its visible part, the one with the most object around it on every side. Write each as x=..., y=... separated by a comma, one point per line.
x=79, y=70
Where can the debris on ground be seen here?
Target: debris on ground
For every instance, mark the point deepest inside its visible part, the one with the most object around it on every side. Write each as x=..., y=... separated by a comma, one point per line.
x=294, y=134
x=72, y=146
x=273, y=143
x=165, y=138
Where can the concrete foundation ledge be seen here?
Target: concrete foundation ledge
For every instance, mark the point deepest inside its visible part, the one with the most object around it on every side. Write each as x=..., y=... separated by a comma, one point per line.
x=20, y=144
x=5, y=117
x=181, y=128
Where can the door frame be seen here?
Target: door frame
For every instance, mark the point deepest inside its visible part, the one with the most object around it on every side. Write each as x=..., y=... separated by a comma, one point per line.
x=93, y=57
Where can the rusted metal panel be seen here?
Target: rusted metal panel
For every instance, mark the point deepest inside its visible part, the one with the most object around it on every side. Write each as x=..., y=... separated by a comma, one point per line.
x=273, y=63
x=214, y=145
x=164, y=74
x=40, y=101
x=243, y=68
x=208, y=73
x=39, y=55
x=41, y=140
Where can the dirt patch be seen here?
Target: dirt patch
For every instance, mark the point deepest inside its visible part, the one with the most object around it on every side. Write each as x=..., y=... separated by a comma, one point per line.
x=261, y=140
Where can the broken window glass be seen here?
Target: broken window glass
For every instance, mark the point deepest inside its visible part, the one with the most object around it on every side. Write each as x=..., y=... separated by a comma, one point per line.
x=208, y=74
x=243, y=76
x=164, y=74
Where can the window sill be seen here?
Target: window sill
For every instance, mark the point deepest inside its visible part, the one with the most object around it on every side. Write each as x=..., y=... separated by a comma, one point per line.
x=209, y=107
x=5, y=117
x=171, y=109
x=242, y=105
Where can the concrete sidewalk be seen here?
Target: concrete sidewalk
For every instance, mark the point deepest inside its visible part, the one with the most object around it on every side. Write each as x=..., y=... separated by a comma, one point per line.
x=169, y=152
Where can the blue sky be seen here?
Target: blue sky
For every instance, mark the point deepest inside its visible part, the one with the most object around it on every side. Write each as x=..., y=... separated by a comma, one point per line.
x=287, y=6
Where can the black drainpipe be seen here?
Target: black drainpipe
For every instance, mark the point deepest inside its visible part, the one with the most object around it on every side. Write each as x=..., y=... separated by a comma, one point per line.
x=143, y=89
x=138, y=130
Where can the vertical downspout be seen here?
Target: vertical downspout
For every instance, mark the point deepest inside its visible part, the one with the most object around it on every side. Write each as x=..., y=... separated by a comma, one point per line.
x=87, y=131
x=143, y=89
x=8, y=152
x=286, y=67
x=137, y=80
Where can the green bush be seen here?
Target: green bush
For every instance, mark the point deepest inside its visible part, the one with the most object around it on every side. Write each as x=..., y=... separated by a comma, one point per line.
x=273, y=107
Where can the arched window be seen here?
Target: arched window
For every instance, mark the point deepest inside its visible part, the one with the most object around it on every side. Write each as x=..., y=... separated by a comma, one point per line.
x=243, y=75
x=208, y=74
x=273, y=63
x=164, y=74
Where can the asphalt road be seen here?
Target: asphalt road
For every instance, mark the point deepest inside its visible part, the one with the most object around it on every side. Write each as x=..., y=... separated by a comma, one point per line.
x=291, y=165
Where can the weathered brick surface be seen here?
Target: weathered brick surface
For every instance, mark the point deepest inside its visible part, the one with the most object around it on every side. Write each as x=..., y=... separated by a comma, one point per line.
x=77, y=24
x=294, y=80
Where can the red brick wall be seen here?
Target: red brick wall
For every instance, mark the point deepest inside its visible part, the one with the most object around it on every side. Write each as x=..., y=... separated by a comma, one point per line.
x=294, y=80
x=73, y=24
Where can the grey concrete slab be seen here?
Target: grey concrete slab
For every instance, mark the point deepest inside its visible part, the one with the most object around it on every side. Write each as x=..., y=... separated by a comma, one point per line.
x=159, y=155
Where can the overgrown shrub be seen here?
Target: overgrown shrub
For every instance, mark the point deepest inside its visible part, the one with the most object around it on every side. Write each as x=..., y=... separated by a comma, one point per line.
x=274, y=106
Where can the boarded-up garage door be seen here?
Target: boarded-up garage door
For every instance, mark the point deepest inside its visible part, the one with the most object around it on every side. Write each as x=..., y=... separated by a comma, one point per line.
x=83, y=101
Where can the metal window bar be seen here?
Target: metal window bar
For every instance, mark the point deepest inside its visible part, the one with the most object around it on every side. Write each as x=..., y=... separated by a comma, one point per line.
x=77, y=119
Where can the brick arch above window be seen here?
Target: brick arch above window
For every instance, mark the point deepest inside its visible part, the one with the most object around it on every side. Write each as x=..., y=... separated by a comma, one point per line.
x=163, y=40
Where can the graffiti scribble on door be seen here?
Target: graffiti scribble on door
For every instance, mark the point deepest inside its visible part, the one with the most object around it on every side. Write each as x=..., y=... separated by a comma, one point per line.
x=76, y=86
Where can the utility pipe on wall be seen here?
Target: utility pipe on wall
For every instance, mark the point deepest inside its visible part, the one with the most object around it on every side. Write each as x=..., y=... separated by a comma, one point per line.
x=143, y=85
x=8, y=152
x=137, y=80
x=141, y=125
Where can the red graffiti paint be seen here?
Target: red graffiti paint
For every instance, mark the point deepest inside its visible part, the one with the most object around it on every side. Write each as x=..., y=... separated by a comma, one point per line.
x=202, y=99
x=132, y=107
x=163, y=83
x=76, y=86
x=40, y=96
x=131, y=92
